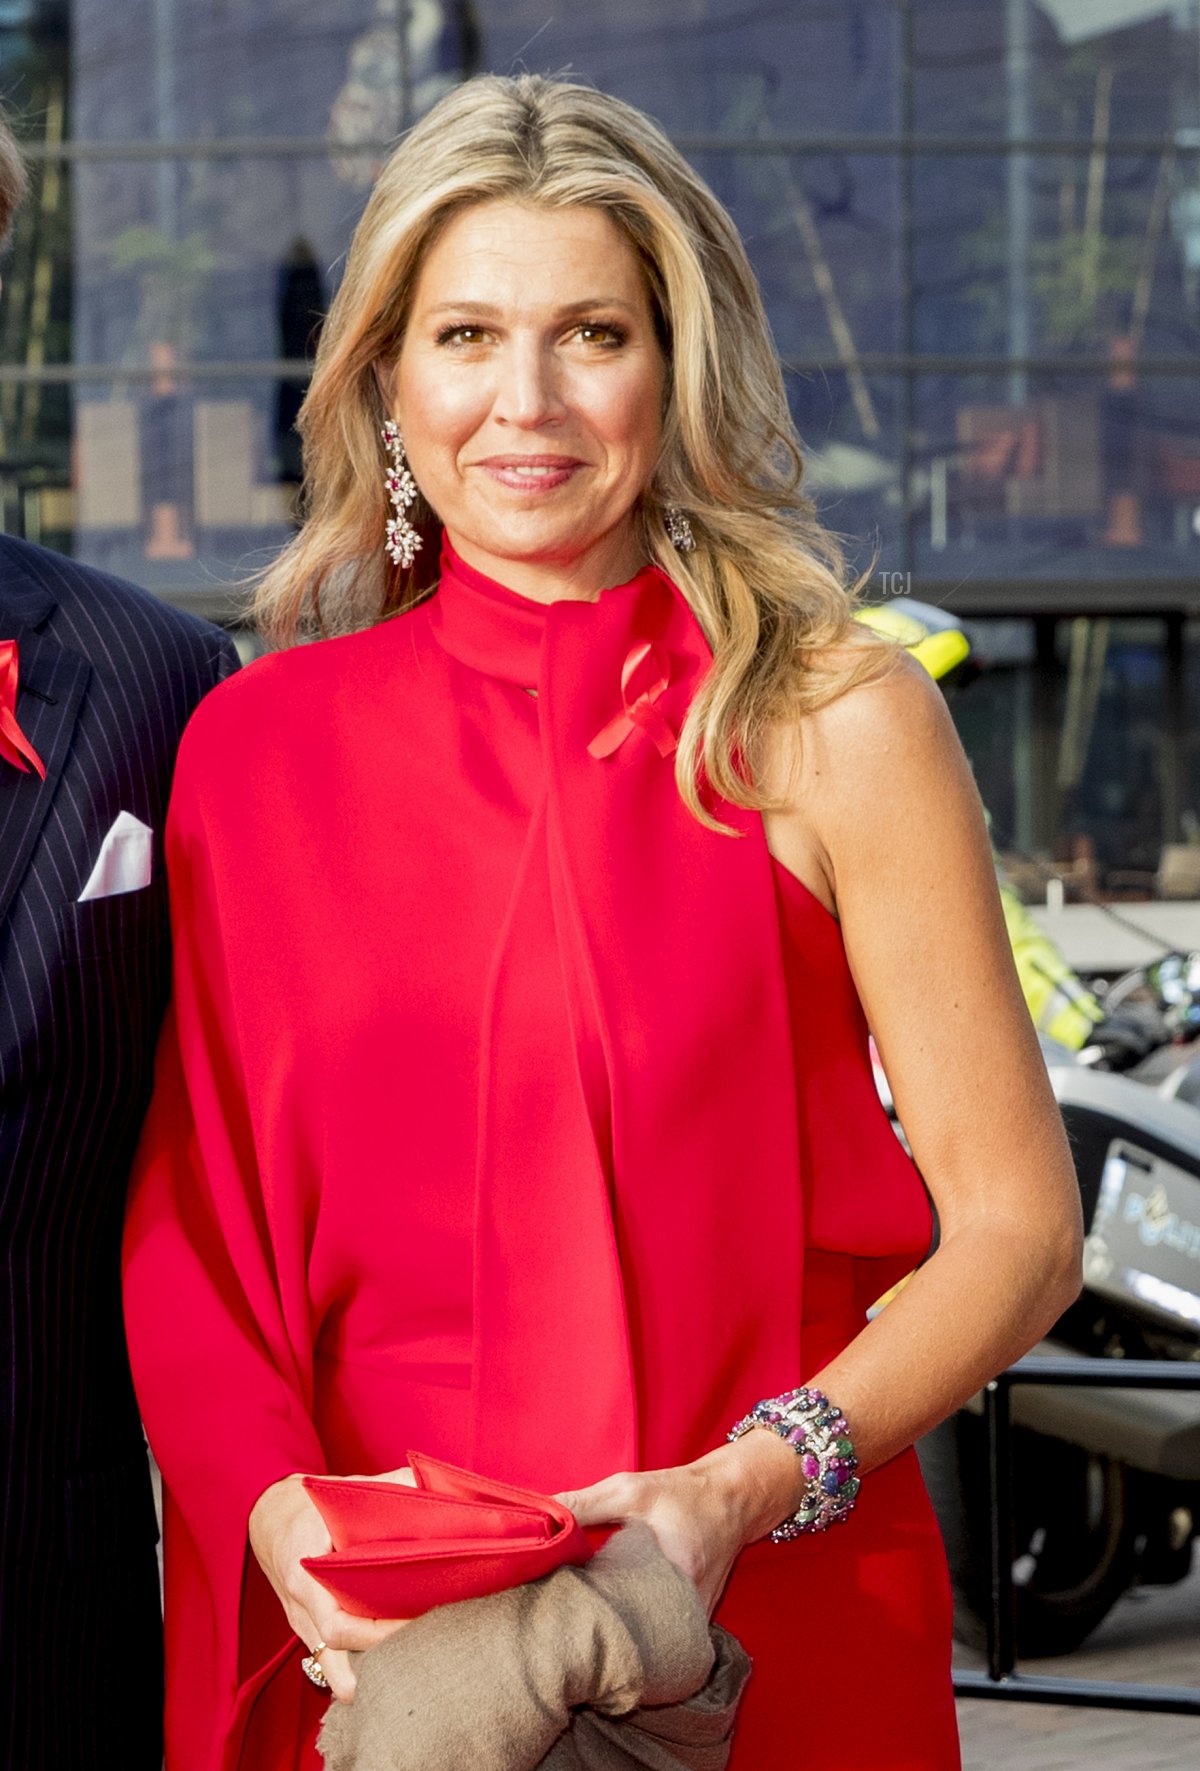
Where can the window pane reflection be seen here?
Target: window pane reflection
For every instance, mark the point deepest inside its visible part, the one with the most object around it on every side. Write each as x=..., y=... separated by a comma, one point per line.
x=992, y=714
x=849, y=424
x=1061, y=68
x=242, y=268
x=1058, y=254
x=811, y=67
x=1079, y=477
x=1107, y=777
x=181, y=486
x=1079, y=767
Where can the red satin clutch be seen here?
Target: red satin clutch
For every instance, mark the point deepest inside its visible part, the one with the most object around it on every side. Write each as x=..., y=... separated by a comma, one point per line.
x=398, y=1551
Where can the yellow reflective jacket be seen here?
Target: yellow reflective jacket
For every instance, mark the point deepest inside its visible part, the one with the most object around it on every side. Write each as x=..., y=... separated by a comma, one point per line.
x=1061, y=1006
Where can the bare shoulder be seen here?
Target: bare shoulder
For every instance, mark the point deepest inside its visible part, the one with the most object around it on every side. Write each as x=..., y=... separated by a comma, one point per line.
x=882, y=792
x=879, y=757
x=897, y=716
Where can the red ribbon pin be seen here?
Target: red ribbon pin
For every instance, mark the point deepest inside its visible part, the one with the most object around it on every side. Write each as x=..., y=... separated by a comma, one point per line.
x=15, y=747
x=643, y=680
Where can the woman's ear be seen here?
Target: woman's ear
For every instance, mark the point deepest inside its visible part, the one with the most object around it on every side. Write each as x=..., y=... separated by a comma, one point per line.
x=385, y=380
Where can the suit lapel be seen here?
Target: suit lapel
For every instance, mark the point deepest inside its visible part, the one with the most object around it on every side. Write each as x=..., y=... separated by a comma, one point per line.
x=52, y=682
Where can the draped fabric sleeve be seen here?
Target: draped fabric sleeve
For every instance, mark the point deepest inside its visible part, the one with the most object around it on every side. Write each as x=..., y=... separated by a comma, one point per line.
x=216, y=1303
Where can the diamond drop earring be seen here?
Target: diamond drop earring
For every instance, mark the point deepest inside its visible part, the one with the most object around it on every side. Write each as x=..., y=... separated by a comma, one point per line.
x=403, y=540
x=679, y=529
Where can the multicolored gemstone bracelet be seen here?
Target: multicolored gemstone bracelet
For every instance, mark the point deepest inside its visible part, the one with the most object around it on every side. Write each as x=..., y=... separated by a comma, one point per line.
x=816, y=1430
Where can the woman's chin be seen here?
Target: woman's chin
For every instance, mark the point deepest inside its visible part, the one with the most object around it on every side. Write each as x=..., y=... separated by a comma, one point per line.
x=532, y=541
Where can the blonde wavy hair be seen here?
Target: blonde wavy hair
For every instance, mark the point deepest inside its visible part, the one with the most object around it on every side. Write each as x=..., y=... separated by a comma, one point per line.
x=766, y=580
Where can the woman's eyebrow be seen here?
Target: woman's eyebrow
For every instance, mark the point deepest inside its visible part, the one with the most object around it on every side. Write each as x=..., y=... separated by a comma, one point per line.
x=457, y=307
x=594, y=301
x=489, y=311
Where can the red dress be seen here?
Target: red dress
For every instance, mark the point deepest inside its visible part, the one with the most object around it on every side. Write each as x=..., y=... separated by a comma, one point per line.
x=507, y=1113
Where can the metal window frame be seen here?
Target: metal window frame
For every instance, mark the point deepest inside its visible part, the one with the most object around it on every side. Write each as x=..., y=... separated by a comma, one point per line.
x=1001, y=1680
x=300, y=147
x=869, y=362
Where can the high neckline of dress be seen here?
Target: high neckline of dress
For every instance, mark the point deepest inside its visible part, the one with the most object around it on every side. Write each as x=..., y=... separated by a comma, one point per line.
x=495, y=630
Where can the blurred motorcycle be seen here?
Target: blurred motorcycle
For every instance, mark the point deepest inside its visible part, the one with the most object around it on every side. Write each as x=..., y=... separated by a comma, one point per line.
x=1106, y=1483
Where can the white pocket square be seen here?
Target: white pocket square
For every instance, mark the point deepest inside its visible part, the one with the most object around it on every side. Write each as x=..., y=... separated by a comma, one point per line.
x=125, y=862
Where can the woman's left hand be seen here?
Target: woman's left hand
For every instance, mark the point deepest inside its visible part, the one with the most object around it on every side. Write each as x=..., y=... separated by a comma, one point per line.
x=703, y=1514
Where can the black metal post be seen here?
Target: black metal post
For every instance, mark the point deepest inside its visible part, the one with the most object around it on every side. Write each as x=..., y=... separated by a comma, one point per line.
x=1175, y=729
x=1001, y=1679
x=1001, y=1624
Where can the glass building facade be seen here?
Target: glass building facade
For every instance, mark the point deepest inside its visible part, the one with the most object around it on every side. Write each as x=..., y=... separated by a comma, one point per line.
x=976, y=223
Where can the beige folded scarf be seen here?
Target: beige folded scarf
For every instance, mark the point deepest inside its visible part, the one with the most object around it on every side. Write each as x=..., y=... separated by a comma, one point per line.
x=591, y=1669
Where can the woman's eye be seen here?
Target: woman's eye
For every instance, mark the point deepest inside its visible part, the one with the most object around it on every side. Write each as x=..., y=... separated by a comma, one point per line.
x=598, y=334
x=608, y=337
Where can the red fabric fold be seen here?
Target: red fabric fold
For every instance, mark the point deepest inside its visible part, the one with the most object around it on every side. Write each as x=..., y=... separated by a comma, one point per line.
x=677, y=1039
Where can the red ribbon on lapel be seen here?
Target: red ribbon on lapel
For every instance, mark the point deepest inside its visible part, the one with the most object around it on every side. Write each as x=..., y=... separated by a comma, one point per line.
x=15, y=747
x=643, y=660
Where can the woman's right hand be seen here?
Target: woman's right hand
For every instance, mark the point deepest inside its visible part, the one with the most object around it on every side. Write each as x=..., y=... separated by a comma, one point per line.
x=285, y=1526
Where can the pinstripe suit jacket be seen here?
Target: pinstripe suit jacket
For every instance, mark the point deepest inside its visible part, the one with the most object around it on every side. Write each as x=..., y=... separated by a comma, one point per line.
x=108, y=678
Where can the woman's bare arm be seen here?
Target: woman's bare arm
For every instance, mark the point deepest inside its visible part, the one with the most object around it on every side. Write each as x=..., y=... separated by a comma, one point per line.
x=881, y=801
x=883, y=822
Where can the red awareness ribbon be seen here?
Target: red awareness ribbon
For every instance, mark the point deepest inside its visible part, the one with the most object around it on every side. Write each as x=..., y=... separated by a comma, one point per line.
x=644, y=663
x=15, y=747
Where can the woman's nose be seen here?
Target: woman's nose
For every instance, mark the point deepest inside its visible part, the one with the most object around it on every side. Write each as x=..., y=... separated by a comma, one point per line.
x=527, y=392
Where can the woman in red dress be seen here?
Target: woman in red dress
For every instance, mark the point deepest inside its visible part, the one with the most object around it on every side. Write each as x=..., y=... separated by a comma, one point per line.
x=515, y=1105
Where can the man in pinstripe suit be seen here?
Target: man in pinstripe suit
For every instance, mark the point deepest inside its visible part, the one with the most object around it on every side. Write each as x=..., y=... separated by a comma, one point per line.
x=107, y=677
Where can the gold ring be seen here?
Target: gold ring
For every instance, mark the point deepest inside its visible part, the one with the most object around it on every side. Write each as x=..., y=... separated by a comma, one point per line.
x=312, y=1669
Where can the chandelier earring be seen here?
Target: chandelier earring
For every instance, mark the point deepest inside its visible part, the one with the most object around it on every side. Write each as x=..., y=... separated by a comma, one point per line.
x=679, y=529
x=403, y=541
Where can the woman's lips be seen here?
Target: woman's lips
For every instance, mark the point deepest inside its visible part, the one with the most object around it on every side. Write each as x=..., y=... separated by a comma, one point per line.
x=531, y=473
